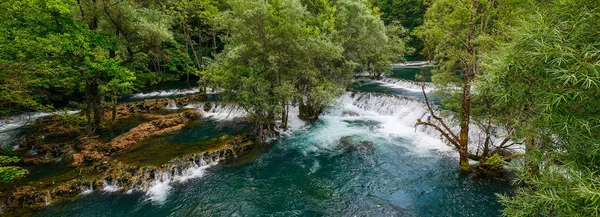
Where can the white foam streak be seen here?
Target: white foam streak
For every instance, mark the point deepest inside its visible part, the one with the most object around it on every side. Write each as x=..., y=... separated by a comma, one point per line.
x=219, y=111
x=294, y=121
x=397, y=117
x=172, y=106
x=161, y=186
x=110, y=188
x=407, y=85
x=17, y=121
x=412, y=64
x=166, y=93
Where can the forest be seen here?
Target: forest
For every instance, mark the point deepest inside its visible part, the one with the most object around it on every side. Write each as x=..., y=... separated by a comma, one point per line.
x=300, y=107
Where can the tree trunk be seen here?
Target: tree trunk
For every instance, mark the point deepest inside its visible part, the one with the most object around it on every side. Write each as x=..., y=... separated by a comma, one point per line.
x=214, y=42
x=189, y=39
x=533, y=167
x=488, y=130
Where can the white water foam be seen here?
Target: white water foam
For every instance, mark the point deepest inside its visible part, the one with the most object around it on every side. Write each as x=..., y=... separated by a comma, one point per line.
x=172, y=106
x=218, y=110
x=110, y=187
x=166, y=93
x=17, y=121
x=377, y=116
x=9, y=125
x=399, y=115
x=412, y=64
x=406, y=84
x=396, y=115
x=174, y=92
x=161, y=186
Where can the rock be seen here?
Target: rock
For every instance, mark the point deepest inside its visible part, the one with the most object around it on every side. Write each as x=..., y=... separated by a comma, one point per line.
x=349, y=144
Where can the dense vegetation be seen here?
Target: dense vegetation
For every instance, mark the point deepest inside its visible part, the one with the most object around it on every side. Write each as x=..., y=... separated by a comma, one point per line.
x=524, y=71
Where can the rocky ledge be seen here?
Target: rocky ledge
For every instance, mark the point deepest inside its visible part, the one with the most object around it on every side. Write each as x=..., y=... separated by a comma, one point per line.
x=117, y=175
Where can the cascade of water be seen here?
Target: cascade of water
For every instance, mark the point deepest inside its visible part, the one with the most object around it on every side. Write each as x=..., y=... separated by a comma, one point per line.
x=17, y=121
x=172, y=105
x=412, y=64
x=161, y=185
x=218, y=110
x=89, y=190
x=110, y=187
x=406, y=84
x=166, y=93
x=405, y=112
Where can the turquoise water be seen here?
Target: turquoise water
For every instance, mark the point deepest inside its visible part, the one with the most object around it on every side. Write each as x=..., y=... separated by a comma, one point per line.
x=377, y=87
x=320, y=171
x=362, y=158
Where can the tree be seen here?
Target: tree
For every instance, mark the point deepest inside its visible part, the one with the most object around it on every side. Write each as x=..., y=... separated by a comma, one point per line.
x=546, y=81
x=61, y=53
x=456, y=34
x=408, y=13
x=367, y=43
x=261, y=55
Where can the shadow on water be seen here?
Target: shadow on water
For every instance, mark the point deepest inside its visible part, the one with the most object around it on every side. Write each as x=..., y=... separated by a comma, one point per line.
x=121, y=126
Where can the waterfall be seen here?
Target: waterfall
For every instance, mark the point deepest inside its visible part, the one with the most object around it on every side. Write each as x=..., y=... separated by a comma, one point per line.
x=17, y=121
x=9, y=126
x=397, y=117
x=110, y=187
x=177, y=172
x=166, y=93
x=412, y=64
x=219, y=110
x=169, y=93
x=88, y=190
x=406, y=84
x=172, y=105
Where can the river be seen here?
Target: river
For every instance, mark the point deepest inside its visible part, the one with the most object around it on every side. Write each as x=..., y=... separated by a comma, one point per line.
x=362, y=158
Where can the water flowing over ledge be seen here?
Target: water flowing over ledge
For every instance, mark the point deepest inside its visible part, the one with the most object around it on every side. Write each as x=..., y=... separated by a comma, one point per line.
x=412, y=64
x=406, y=84
x=17, y=121
x=155, y=181
x=400, y=114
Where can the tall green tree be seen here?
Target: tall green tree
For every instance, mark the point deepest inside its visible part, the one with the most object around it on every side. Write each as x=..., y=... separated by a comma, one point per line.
x=408, y=13
x=284, y=53
x=546, y=80
x=456, y=34
x=367, y=43
x=59, y=52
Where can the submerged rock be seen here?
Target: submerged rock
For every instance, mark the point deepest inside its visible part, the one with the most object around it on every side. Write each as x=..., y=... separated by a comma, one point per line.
x=350, y=144
x=93, y=150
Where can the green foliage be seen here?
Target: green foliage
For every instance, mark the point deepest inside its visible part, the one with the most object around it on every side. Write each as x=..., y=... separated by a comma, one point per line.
x=368, y=44
x=280, y=53
x=495, y=162
x=408, y=13
x=10, y=173
x=546, y=82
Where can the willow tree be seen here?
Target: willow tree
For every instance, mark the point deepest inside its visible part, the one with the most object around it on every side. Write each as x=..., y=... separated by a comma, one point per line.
x=456, y=34
x=546, y=79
